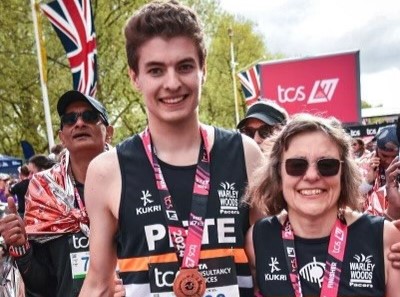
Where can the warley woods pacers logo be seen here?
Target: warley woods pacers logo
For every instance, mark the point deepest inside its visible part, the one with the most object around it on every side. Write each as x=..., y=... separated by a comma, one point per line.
x=229, y=198
x=361, y=271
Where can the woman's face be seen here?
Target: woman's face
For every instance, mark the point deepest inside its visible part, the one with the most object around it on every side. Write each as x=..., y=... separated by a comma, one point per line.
x=311, y=194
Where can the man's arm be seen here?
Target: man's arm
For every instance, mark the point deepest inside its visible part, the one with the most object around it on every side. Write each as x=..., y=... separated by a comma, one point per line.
x=391, y=236
x=254, y=159
x=249, y=247
x=392, y=190
x=394, y=254
x=102, y=197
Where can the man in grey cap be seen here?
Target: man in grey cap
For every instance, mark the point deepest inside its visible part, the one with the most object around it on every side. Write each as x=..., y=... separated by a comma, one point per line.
x=380, y=169
x=53, y=261
x=262, y=119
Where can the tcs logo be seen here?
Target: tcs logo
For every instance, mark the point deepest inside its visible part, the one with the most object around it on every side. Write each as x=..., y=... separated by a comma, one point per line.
x=322, y=91
x=80, y=242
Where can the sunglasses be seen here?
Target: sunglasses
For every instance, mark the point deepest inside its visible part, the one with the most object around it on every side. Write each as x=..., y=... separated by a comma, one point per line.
x=263, y=131
x=326, y=167
x=88, y=117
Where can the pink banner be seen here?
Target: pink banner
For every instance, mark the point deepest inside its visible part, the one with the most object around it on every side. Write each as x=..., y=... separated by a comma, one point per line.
x=327, y=85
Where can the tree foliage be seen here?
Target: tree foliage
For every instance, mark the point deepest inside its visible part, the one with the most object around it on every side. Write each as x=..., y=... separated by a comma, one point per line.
x=21, y=105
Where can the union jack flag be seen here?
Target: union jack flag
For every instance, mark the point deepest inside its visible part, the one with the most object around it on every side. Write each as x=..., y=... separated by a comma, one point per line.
x=250, y=80
x=73, y=22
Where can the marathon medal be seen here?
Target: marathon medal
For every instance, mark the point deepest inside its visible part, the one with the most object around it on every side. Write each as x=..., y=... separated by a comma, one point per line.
x=189, y=282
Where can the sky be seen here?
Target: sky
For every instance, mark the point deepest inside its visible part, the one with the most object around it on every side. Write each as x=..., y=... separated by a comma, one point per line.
x=299, y=28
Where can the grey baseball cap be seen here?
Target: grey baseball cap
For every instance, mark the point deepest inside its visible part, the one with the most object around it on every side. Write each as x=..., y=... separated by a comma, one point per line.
x=266, y=111
x=73, y=96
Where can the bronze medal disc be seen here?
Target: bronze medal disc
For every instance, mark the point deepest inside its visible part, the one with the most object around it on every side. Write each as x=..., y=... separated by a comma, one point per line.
x=189, y=282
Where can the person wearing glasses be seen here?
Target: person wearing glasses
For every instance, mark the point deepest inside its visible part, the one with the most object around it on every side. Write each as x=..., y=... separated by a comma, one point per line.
x=319, y=245
x=53, y=262
x=262, y=119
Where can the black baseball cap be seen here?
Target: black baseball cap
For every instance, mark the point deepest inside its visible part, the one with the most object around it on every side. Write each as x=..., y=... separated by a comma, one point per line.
x=73, y=96
x=267, y=111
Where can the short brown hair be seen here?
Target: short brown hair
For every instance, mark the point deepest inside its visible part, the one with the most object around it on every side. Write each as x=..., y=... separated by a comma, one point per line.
x=162, y=19
x=265, y=190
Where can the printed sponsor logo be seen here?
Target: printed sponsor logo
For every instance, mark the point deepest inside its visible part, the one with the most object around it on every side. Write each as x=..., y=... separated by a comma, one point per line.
x=339, y=238
x=321, y=92
x=163, y=278
x=274, y=264
x=172, y=215
x=355, y=133
x=290, y=251
x=229, y=198
x=146, y=197
x=80, y=242
x=272, y=276
x=313, y=272
x=361, y=271
x=147, y=208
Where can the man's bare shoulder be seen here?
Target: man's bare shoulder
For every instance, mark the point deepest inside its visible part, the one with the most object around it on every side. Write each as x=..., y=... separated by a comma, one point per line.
x=105, y=162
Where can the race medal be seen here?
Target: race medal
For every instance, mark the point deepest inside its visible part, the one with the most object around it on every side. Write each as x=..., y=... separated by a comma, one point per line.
x=189, y=282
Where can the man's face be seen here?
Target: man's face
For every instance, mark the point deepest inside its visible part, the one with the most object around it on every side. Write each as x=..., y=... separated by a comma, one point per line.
x=170, y=79
x=84, y=136
x=386, y=157
x=257, y=129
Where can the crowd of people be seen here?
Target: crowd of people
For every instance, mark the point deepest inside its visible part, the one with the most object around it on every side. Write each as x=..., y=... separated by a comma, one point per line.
x=282, y=206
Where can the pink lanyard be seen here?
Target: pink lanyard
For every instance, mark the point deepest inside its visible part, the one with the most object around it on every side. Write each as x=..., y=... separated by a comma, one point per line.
x=188, y=244
x=334, y=260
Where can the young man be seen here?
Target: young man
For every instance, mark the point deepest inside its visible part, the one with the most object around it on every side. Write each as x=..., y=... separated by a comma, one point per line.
x=54, y=261
x=178, y=172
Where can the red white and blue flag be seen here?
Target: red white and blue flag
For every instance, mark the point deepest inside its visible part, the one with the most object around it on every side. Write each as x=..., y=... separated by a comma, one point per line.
x=73, y=22
x=250, y=80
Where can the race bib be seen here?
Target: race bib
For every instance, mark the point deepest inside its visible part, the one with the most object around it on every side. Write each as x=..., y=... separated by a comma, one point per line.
x=219, y=273
x=79, y=255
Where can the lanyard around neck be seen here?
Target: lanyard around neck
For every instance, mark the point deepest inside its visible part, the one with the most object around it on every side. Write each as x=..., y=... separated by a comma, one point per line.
x=78, y=198
x=334, y=260
x=188, y=244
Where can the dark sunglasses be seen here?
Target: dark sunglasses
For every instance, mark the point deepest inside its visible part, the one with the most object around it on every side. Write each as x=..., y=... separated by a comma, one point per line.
x=264, y=131
x=326, y=167
x=88, y=116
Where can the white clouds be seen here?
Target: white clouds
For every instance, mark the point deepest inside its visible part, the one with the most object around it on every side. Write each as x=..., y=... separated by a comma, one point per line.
x=312, y=27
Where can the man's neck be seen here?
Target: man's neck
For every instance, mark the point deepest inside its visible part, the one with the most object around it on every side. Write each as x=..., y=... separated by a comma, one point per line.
x=177, y=145
x=79, y=164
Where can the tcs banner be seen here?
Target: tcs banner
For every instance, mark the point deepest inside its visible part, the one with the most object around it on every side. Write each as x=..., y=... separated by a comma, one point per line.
x=326, y=85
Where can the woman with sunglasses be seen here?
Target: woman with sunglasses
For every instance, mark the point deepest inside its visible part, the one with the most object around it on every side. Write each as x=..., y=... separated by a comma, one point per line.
x=317, y=243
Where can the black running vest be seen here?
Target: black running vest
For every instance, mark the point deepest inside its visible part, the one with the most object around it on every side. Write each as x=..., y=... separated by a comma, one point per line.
x=363, y=266
x=142, y=237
